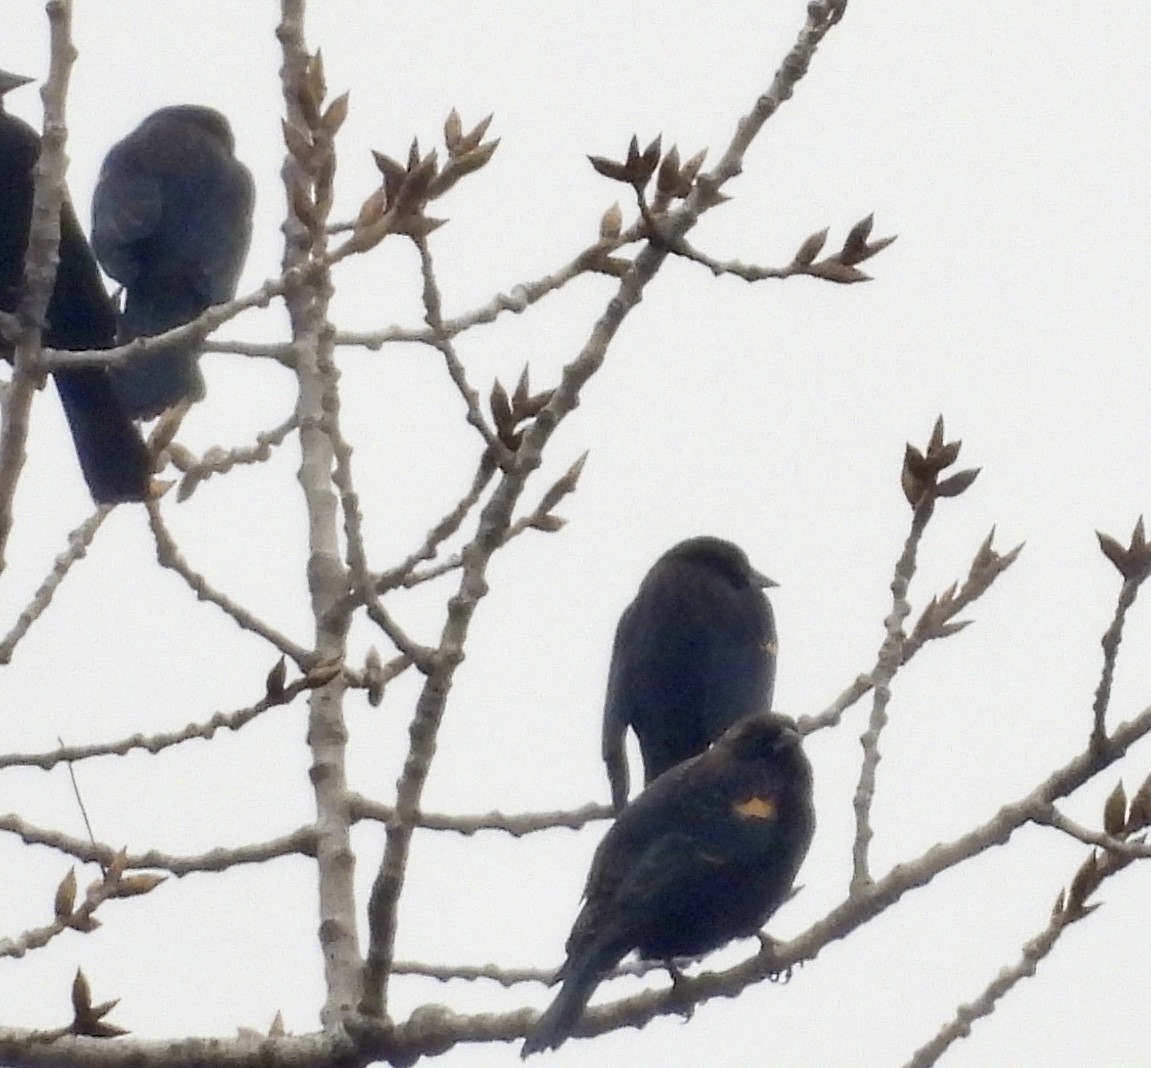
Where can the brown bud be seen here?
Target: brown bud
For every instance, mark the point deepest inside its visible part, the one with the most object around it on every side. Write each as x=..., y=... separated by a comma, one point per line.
x=1132, y=562
x=298, y=143
x=137, y=884
x=1085, y=882
x=611, y=223
x=314, y=75
x=855, y=244
x=617, y=172
x=957, y=483
x=475, y=135
x=65, y=896
x=81, y=995
x=453, y=130
x=810, y=248
x=1139, y=813
x=116, y=868
x=335, y=115
x=274, y=683
x=839, y=272
x=500, y=406
x=303, y=207
x=1115, y=811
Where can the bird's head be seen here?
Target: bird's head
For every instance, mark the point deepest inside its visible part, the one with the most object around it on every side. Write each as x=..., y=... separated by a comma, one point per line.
x=723, y=557
x=207, y=119
x=761, y=736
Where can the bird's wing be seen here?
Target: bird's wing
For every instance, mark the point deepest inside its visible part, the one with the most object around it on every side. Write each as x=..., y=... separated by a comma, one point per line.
x=126, y=209
x=620, y=896
x=740, y=669
x=225, y=249
x=616, y=716
x=663, y=805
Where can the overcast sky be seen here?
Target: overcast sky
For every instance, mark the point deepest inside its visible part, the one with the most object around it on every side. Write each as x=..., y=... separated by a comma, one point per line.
x=1009, y=147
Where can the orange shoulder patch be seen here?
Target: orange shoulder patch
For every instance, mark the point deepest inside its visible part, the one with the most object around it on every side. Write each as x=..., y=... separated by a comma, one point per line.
x=756, y=808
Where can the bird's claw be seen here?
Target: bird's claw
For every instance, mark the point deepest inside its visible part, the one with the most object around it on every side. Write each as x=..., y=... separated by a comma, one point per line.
x=681, y=1003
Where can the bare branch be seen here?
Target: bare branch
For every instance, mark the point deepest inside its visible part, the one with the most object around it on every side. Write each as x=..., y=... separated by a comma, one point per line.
x=933, y=623
x=41, y=261
x=303, y=90
x=168, y=555
x=1111, y=639
x=217, y=461
x=78, y=542
x=516, y=825
x=888, y=663
x=299, y=843
x=156, y=743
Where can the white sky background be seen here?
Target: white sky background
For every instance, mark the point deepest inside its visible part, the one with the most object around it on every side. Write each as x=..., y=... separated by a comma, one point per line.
x=1007, y=145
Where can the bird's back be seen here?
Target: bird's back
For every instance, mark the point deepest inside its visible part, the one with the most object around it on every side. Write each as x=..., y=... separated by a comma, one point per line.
x=693, y=657
x=19, y=148
x=171, y=221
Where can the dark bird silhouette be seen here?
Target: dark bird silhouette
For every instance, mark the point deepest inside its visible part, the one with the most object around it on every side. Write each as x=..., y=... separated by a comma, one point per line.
x=116, y=463
x=171, y=221
x=694, y=652
x=705, y=854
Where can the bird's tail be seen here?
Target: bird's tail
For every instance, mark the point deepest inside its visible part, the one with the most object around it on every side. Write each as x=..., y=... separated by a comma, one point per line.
x=555, y=1026
x=163, y=378
x=116, y=463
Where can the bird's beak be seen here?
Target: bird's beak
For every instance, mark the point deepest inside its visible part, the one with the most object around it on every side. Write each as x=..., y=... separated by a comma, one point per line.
x=761, y=580
x=8, y=81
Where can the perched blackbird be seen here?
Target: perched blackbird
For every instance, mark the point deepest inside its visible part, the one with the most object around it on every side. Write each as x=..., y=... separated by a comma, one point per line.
x=704, y=855
x=116, y=463
x=171, y=221
x=694, y=652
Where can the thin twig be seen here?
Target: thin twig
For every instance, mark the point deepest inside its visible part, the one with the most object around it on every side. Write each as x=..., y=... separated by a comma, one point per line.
x=168, y=555
x=155, y=743
x=40, y=263
x=78, y=542
x=433, y=314
x=517, y=825
x=1111, y=639
x=935, y=622
x=217, y=461
x=887, y=664
x=300, y=842
x=398, y=576
x=518, y=300
x=1052, y=817
x=959, y=1027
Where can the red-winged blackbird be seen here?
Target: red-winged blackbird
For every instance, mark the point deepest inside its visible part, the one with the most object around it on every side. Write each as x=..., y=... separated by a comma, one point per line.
x=694, y=652
x=171, y=221
x=704, y=855
x=116, y=463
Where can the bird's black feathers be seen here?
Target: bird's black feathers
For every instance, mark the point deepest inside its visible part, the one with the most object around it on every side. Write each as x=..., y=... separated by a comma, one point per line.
x=705, y=854
x=171, y=221
x=694, y=652
x=113, y=457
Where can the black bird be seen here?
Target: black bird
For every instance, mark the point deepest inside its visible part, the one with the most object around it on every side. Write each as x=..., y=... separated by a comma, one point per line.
x=116, y=463
x=705, y=854
x=694, y=652
x=171, y=221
